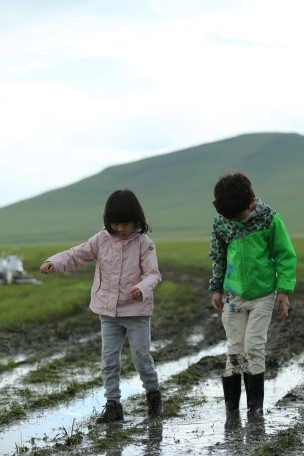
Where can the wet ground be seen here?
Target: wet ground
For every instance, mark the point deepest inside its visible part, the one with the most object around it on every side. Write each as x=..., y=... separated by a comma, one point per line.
x=54, y=412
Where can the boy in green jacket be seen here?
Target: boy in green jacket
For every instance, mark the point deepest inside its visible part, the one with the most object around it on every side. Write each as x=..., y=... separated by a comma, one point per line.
x=254, y=264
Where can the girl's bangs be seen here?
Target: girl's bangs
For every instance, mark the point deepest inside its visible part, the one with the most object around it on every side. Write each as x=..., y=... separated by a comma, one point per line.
x=121, y=217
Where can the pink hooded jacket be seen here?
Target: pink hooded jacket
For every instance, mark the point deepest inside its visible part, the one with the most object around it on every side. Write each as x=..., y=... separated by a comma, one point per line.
x=121, y=265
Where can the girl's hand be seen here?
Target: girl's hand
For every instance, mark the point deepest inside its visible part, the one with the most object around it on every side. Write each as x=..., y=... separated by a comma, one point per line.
x=47, y=267
x=136, y=294
x=282, y=304
x=217, y=301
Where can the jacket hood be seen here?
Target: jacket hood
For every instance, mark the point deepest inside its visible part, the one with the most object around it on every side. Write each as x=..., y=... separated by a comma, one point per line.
x=260, y=208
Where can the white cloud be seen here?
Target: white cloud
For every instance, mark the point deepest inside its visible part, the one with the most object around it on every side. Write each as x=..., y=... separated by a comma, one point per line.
x=87, y=85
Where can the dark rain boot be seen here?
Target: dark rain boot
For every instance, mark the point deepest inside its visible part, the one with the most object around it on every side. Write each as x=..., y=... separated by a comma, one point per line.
x=233, y=424
x=112, y=412
x=232, y=391
x=254, y=385
x=154, y=402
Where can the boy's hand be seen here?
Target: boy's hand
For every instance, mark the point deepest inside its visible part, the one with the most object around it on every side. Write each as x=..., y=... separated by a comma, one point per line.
x=135, y=293
x=47, y=267
x=217, y=301
x=282, y=304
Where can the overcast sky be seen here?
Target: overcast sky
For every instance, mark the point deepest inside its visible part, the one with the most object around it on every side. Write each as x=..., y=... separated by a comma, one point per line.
x=85, y=84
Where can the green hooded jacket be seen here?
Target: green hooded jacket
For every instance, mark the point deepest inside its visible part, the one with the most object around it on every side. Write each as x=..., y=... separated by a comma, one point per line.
x=252, y=258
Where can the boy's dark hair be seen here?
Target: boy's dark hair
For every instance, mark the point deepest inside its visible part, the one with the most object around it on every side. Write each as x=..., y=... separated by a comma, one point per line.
x=233, y=194
x=123, y=207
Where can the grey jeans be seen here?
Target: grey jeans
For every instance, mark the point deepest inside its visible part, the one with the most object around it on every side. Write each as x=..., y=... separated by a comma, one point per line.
x=114, y=332
x=246, y=324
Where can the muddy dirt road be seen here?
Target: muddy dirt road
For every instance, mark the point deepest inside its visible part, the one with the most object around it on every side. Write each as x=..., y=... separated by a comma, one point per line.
x=51, y=391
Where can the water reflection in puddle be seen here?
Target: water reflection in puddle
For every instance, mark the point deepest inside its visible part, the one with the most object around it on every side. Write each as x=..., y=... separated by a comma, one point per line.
x=202, y=428
x=48, y=422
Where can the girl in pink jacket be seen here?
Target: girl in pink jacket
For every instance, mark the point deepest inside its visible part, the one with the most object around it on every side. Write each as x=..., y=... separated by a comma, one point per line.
x=126, y=273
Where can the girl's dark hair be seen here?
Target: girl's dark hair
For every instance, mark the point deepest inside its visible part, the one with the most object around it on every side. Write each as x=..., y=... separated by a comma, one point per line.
x=233, y=194
x=122, y=207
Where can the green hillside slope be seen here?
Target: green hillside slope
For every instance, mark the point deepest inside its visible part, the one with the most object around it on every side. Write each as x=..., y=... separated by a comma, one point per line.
x=176, y=190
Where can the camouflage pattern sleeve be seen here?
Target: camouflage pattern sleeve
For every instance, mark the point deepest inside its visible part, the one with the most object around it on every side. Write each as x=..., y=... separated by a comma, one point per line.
x=218, y=255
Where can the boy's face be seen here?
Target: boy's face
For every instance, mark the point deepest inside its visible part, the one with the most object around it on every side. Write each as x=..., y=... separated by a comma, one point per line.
x=123, y=230
x=244, y=214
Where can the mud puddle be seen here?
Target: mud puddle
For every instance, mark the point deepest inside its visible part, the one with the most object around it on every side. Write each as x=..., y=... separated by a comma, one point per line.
x=50, y=422
x=205, y=430
x=201, y=430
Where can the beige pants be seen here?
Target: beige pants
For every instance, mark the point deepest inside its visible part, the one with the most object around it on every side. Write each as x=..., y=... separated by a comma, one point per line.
x=246, y=324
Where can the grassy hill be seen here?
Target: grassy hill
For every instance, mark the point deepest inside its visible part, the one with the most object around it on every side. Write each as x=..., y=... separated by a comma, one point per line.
x=176, y=190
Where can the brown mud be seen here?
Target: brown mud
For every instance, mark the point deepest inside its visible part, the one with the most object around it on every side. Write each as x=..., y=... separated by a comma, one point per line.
x=194, y=420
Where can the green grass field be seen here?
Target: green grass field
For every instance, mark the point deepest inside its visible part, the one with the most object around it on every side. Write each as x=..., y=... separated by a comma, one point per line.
x=59, y=343
x=61, y=295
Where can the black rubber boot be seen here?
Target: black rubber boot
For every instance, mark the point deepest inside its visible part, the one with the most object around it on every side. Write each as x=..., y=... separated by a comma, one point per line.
x=254, y=385
x=232, y=391
x=154, y=402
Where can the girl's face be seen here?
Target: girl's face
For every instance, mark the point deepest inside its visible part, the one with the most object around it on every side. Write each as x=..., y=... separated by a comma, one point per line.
x=123, y=230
